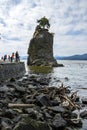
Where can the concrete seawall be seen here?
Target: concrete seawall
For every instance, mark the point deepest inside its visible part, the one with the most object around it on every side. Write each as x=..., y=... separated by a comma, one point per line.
x=11, y=70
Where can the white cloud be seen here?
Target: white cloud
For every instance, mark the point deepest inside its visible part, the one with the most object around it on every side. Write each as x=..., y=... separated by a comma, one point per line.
x=68, y=20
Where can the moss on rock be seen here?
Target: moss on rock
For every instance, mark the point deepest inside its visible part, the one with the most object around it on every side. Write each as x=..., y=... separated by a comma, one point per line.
x=30, y=124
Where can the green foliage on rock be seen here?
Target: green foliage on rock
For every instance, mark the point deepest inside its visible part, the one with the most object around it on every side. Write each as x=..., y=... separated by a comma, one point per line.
x=30, y=124
x=43, y=22
x=40, y=69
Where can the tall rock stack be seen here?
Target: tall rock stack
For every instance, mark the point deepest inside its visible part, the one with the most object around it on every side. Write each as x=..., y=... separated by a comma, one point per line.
x=40, y=51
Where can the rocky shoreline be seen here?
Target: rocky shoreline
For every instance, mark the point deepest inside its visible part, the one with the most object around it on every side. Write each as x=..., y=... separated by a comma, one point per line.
x=31, y=104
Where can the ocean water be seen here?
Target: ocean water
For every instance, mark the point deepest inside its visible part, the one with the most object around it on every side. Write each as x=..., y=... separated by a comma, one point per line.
x=73, y=74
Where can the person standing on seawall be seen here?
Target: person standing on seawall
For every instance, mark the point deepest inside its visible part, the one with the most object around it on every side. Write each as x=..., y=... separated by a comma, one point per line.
x=17, y=56
x=12, y=57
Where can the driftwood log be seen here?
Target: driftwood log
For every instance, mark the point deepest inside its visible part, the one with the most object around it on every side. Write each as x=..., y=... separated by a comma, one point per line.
x=11, y=105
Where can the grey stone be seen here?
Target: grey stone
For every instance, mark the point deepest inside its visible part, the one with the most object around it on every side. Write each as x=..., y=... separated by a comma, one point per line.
x=5, y=126
x=84, y=114
x=58, y=109
x=43, y=100
x=84, y=100
x=20, y=89
x=59, y=122
x=4, y=89
x=9, y=113
x=47, y=115
x=6, y=121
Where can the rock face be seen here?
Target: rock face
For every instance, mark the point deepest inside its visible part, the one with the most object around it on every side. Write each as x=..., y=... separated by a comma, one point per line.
x=40, y=50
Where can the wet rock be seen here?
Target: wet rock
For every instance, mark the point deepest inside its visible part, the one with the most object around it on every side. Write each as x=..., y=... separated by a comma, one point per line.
x=9, y=96
x=4, y=103
x=73, y=115
x=75, y=122
x=32, y=113
x=84, y=100
x=12, y=80
x=11, y=84
x=5, y=126
x=1, y=106
x=55, y=103
x=43, y=81
x=43, y=100
x=6, y=122
x=47, y=115
x=66, y=114
x=67, y=90
x=58, y=109
x=84, y=114
x=4, y=89
x=20, y=89
x=29, y=124
x=58, y=122
x=9, y=113
x=66, y=78
x=17, y=119
x=28, y=101
x=77, y=99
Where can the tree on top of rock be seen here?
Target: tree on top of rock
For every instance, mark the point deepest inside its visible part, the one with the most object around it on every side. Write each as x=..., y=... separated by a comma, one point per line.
x=43, y=22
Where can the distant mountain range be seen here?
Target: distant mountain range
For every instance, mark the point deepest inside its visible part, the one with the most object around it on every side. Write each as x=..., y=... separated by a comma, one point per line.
x=73, y=57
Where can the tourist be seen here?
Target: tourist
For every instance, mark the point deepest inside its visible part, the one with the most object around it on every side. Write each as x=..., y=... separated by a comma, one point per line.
x=17, y=56
x=12, y=57
x=5, y=57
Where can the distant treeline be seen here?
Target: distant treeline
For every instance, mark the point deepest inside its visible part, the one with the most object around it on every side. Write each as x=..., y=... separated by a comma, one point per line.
x=73, y=57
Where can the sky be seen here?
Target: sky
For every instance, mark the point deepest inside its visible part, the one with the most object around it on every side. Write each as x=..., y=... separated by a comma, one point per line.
x=68, y=20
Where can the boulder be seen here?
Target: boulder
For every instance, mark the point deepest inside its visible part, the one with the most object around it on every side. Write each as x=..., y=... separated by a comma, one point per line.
x=43, y=100
x=84, y=114
x=84, y=100
x=59, y=123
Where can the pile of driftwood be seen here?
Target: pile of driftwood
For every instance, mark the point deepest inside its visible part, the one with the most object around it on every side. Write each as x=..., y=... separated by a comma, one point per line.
x=53, y=92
